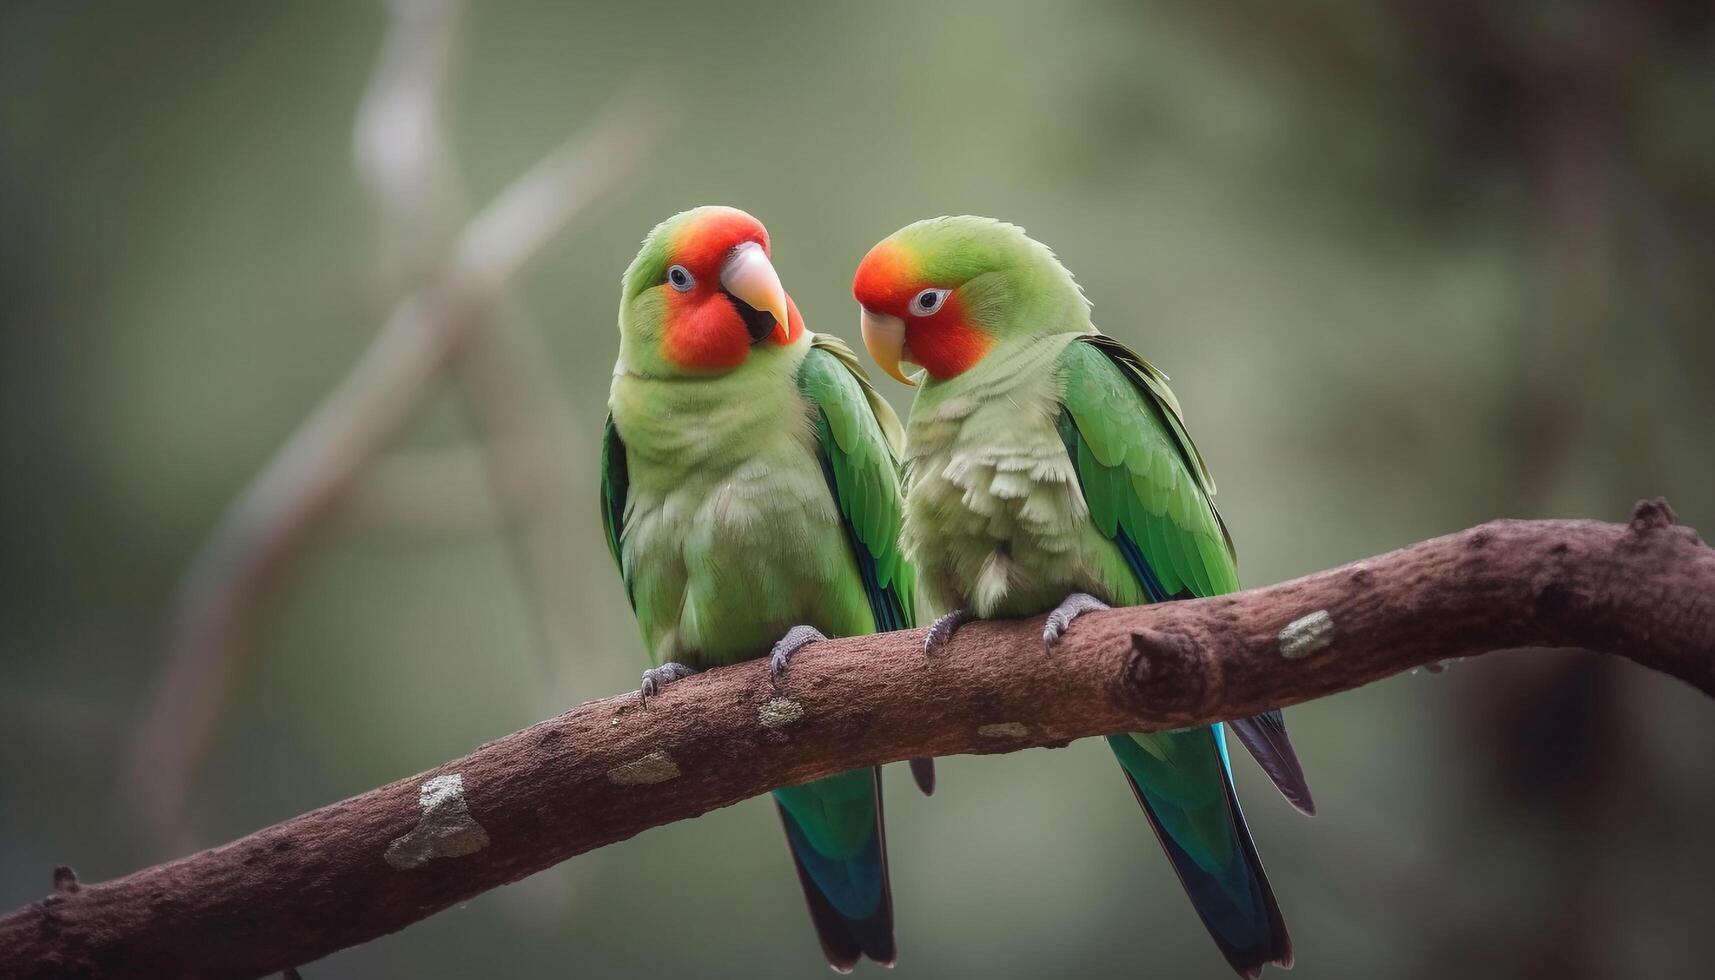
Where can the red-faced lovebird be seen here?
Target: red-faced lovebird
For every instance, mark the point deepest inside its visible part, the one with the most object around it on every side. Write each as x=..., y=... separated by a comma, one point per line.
x=751, y=497
x=1049, y=471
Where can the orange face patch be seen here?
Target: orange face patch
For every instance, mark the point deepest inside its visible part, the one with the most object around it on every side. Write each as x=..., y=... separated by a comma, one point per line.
x=703, y=243
x=944, y=343
x=884, y=279
x=703, y=330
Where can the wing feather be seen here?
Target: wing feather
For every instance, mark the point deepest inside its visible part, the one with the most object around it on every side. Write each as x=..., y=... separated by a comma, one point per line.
x=615, y=482
x=1149, y=491
x=859, y=441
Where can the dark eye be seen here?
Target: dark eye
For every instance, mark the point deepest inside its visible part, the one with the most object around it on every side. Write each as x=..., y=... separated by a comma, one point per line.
x=928, y=301
x=681, y=278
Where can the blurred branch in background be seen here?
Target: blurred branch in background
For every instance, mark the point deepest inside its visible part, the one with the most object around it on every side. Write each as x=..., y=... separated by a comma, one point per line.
x=1543, y=87
x=400, y=145
x=404, y=155
x=422, y=491
x=451, y=288
x=1549, y=88
x=607, y=770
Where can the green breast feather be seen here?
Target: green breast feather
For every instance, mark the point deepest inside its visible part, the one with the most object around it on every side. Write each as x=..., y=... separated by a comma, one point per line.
x=858, y=440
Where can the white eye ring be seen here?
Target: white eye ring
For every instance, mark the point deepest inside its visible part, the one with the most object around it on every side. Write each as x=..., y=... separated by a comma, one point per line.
x=680, y=278
x=928, y=301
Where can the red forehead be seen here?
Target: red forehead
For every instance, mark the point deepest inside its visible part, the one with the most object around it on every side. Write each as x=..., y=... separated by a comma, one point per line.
x=705, y=240
x=886, y=278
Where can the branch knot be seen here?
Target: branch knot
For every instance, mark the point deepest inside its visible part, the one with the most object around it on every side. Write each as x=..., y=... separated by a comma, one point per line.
x=1166, y=674
x=1652, y=514
x=65, y=880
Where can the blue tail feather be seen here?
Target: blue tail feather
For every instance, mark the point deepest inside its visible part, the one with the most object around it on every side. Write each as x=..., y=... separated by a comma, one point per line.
x=1215, y=860
x=841, y=862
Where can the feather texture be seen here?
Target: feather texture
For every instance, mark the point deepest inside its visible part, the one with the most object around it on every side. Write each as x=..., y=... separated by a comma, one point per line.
x=859, y=461
x=1148, y=493
x=1119, y=419
x=1118, y=507
x=834, y=832
x=740, y=505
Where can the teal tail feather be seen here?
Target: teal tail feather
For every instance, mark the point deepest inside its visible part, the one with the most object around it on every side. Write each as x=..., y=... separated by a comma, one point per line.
x=1183, y=783
x=835, y=831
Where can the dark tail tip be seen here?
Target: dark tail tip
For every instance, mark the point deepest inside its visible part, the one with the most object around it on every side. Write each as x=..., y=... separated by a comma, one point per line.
x=1253, y=971
x=846, y=940
x=923, y=770
x=1265, y=736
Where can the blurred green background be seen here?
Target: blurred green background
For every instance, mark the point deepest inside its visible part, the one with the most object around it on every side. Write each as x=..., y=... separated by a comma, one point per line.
x=1411, y=265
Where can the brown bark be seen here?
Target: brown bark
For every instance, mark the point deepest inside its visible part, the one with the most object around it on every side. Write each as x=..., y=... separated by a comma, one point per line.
x=606, y=770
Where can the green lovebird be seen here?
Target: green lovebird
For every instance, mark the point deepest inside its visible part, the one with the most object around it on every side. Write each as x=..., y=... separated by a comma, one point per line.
x=1048, y=470
x=751, y=498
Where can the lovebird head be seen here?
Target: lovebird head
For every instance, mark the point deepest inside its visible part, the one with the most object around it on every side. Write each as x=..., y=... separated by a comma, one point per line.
x=943, y=292
x=701, y=296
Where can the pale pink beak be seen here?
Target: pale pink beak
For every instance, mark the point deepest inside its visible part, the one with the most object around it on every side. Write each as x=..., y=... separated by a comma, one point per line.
x=749, y=276
x=884, y=338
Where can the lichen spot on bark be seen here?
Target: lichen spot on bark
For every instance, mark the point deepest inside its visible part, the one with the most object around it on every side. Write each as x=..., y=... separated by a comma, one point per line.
x=1306, y=635
x=779, y=712
x=446, y=828
x=656, y=767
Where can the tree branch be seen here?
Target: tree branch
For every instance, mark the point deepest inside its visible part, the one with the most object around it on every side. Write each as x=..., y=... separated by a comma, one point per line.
x=610, y=769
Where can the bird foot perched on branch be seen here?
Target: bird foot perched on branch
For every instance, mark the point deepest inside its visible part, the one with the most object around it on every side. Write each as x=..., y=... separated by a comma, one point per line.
x=796, y=638
x=656, y=678
x=941, y=631
x=1060, y=620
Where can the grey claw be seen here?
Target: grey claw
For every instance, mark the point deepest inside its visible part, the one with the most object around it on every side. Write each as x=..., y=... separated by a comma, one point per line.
x=1075, y=605
x=942, y=630
x=796, y=638
x=656, y=678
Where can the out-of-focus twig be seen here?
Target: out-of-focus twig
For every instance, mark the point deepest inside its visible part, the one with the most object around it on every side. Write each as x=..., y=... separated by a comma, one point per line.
x=400, y=145
x=1562, y=83
x=288, y=504
x=441, y=491
x=409, y=164
x=524, y=420
x=411, y=168
x=1574, y=92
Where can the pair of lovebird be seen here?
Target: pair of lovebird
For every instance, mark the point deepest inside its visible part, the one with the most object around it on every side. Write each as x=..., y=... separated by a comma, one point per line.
x=752, y=495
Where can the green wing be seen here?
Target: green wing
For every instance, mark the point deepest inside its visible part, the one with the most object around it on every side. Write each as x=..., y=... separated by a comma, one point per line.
x=1148, y=491
x=1143, y=479
x=614, y=482
x=860, y=440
